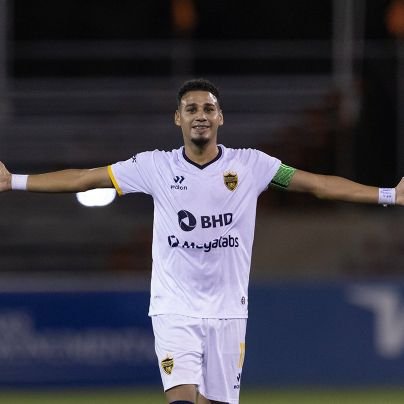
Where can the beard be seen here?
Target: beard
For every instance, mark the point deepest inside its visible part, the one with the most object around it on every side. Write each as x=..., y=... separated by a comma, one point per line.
x=200, y=141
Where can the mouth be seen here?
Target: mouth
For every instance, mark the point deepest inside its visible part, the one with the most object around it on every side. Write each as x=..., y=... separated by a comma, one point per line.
x=200, y=126
x=200, y=129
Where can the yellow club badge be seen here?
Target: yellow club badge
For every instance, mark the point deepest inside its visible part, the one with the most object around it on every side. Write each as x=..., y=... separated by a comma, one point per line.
x=230, y=180
x=168, y=364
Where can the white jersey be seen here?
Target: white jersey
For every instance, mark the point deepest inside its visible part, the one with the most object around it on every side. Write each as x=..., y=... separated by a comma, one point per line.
x=204, y=220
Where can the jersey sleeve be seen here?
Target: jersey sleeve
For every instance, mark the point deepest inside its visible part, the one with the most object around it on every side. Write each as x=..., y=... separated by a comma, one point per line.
x=265, y=169
x=133, y=175
x=283, y=176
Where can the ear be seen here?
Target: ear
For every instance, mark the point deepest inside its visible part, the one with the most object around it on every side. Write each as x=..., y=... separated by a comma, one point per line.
x=221, y=118
x=177, y=119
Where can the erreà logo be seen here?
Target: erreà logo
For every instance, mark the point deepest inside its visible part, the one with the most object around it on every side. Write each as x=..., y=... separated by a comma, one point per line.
x=186, y=220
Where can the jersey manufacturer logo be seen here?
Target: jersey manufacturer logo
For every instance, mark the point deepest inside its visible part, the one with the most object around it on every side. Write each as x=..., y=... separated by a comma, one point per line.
x=237, y=385
x=179, y=179
x=134, y=158
x=168, y=364
x=230, y=180
x=186, y=220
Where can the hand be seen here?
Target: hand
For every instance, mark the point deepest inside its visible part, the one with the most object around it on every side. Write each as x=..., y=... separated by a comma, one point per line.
x=400, y=192
x=5, y=178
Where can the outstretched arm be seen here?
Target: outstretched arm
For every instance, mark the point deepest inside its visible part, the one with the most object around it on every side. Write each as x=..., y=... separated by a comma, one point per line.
x=339, y=188
x=75, y=180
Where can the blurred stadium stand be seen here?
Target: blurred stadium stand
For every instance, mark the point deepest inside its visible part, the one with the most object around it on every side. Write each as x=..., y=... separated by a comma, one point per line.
x=84, y=102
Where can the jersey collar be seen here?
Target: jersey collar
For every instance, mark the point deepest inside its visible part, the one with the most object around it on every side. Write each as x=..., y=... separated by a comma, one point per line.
x=202, y=166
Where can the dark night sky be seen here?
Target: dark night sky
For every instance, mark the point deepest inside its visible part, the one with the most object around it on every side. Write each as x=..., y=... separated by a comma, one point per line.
x=128, y=19
x=220, y=19
x=105, y=19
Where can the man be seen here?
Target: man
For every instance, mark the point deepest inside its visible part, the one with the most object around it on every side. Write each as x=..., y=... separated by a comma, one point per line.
x=205, y=199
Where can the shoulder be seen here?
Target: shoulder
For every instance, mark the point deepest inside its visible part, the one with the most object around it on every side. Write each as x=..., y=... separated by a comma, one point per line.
x=155, y=156
x=248, y=155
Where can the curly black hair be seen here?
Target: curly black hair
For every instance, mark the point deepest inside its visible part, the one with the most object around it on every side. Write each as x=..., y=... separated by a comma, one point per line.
x=198, y=85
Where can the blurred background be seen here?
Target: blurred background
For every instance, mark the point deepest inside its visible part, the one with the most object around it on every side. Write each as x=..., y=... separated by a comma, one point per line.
x=317, y=84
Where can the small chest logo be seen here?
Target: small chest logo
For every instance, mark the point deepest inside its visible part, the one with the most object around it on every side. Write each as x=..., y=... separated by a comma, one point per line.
x=179, y=179
x=186, y=220
x=168, y=364
x=230, y=180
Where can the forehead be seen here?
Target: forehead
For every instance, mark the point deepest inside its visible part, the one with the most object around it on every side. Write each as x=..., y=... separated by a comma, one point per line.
x=198, y=98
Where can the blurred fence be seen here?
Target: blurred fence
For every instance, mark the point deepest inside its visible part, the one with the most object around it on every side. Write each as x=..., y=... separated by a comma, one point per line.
x=91, y=103
x=70, y=105
x=322, y=334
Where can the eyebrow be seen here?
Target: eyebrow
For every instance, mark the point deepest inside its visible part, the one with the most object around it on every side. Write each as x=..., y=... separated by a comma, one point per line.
x=207, y=104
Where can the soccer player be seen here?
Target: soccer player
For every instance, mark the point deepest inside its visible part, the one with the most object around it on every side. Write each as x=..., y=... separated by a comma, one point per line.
x=205, y=197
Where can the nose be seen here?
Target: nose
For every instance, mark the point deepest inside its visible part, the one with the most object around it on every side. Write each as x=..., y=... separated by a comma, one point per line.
x=201, y=116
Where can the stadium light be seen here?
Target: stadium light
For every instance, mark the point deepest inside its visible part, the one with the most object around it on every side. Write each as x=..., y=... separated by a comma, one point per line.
x=96, y=197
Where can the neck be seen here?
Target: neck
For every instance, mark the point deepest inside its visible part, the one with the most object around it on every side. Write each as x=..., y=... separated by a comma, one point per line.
x=201, y=155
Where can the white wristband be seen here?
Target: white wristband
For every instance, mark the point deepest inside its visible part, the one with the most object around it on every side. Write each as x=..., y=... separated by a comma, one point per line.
x=19, y=182
x=387, y=196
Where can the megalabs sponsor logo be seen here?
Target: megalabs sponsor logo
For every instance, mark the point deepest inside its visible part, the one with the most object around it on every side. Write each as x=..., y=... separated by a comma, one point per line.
x=188, y=222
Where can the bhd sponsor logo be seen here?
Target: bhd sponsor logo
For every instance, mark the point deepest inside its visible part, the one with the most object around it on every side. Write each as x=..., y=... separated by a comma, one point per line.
x=216, y=220
x=188, y=221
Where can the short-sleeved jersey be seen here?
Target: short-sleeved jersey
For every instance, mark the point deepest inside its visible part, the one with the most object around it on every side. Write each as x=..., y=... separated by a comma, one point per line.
x=204, y=220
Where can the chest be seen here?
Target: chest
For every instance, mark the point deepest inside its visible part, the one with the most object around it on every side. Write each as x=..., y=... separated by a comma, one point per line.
x=227, y=186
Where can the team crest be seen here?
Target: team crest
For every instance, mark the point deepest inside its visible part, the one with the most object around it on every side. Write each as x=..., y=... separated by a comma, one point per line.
x=168, y=364
x=230, y=180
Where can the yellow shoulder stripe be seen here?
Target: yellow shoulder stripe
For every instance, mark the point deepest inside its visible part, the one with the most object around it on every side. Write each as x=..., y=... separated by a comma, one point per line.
x=114, y=181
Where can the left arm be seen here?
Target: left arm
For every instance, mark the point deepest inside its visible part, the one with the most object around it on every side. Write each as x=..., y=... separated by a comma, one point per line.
x=339, y=188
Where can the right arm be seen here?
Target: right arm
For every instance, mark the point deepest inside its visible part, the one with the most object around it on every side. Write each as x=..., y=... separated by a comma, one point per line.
x=73, y=180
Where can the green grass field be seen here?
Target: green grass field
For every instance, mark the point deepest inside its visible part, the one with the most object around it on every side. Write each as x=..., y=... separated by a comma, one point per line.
x=370, y=396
